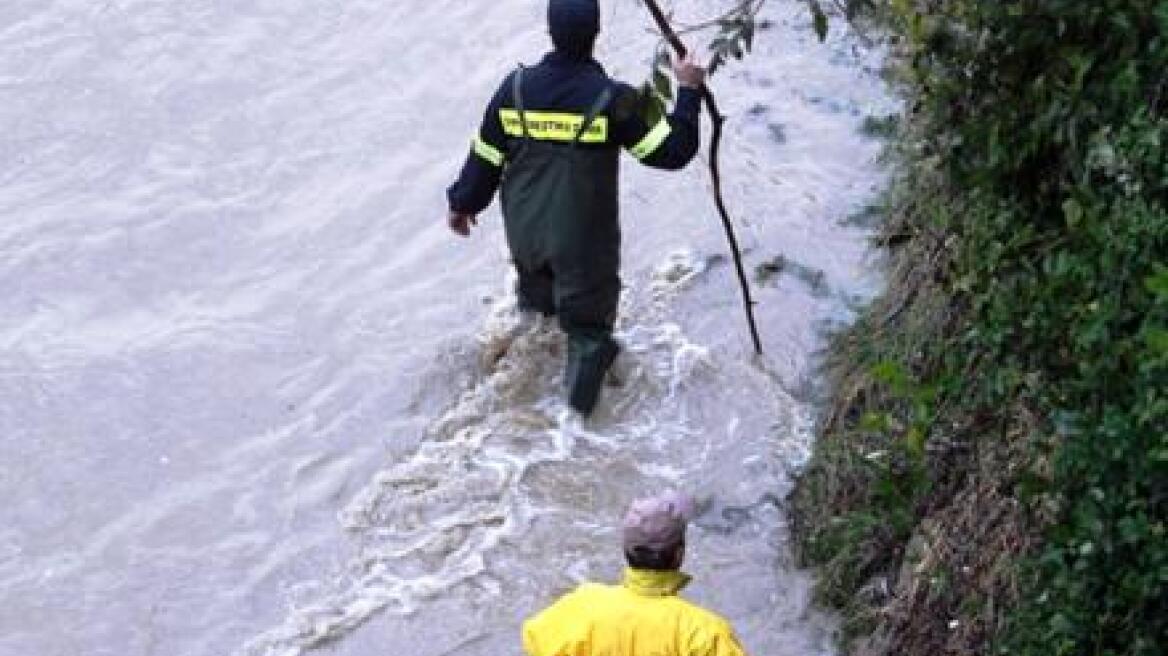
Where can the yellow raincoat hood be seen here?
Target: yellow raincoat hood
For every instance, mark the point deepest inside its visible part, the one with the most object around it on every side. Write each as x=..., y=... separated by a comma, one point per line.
x=641, y=617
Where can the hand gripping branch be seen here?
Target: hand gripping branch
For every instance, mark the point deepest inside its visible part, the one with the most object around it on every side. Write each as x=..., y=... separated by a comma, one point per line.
x=715, y=143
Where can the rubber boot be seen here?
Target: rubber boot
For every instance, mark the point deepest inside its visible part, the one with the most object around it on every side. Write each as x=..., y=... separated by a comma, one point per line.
x=588, y=360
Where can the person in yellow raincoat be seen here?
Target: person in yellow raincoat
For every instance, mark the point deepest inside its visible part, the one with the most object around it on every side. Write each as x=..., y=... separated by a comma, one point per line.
x=643, y=616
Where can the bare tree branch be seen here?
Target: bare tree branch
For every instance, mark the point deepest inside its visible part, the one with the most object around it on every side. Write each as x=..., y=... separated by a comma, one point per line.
x=715, y=143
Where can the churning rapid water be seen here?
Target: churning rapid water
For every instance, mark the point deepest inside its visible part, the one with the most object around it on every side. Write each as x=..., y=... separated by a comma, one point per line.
x=256, y=399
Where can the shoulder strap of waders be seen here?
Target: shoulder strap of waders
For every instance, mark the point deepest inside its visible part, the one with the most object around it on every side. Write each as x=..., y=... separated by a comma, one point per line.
x=597, y=107
x=517, y=98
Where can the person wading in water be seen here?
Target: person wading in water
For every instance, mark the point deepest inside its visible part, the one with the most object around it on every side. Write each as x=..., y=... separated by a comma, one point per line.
x=551, y=138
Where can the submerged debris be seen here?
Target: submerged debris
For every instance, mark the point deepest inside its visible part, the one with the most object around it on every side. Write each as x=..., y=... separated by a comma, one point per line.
x=815, y=279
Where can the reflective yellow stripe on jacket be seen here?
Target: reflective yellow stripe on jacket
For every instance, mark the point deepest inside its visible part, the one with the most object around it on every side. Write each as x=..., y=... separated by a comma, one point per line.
x=487, y=152
x=653, y=140
x=554, y=126
x=642, y=617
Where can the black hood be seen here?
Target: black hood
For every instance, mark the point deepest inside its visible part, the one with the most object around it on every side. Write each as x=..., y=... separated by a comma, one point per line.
x=574, y=25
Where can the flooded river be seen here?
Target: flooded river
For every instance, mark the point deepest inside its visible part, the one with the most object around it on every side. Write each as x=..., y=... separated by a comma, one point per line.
x=255, y=399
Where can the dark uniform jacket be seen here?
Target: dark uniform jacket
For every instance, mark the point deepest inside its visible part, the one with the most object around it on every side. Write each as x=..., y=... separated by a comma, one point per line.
x=557, y=95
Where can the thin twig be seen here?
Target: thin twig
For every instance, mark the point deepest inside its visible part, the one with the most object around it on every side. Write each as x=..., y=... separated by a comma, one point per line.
x=842, y=7
x=715, y=143
x=749, y=8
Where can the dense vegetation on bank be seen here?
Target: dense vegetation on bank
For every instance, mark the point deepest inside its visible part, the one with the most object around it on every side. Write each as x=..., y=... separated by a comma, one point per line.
x=992, y=470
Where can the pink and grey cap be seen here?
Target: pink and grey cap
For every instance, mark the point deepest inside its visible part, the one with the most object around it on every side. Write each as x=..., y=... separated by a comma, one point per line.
x=657, y=522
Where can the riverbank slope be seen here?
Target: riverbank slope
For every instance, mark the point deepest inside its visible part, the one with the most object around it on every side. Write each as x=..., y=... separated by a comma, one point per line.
x=991, y=472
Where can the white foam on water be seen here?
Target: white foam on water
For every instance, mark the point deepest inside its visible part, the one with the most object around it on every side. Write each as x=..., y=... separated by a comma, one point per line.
x=424, y=525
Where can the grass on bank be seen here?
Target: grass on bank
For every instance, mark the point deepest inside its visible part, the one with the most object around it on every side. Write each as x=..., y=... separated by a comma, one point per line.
x=992, y=472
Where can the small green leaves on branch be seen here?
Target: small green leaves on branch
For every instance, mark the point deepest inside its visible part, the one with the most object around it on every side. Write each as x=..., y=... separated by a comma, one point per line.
x=735, y=34
x=657, y=91
x=735, y=31
x=819, y=19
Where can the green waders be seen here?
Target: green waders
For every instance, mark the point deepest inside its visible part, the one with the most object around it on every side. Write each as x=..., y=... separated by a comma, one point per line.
x=561, y=218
